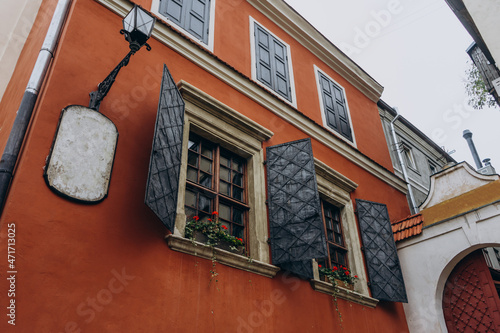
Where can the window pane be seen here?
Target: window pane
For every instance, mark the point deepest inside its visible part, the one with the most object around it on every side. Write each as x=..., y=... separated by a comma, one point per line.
x=206, y=165
x=190, y=199
x=238, y=231
x=237, y=193
x=224, y=212
x=237, y=165
x=237, y=179
x=193, y=145
x=338, y=239
x=206, y=151
x=224, y=161
x=224, y=188
x=205, y=180
x=190, y=212
x=205, y=204
x=227, y=225
x=237, y=216
x=225, y=174
x=193, y=159
x=192, y=174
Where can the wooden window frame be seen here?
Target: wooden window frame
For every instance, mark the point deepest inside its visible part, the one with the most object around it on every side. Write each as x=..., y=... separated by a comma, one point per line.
x=213, y=191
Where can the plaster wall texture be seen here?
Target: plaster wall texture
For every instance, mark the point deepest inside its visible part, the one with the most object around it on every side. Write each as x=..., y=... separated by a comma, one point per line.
x=485, y=15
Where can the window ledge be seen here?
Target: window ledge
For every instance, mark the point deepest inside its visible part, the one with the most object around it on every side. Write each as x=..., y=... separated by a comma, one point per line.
x=344, y=293
x=201, y=250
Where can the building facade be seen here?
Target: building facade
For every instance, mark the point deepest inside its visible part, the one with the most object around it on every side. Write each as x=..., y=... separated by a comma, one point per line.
x=270, y=115
x=414, y=156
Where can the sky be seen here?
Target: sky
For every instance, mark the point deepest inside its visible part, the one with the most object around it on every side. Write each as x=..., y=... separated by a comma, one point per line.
x=417, y=51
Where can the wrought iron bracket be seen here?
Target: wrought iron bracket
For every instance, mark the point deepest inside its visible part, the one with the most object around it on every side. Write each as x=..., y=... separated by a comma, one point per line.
x=103, y=88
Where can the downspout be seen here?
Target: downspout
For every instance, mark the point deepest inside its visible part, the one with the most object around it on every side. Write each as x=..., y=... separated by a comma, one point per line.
x=22, y=120
x=403, y=167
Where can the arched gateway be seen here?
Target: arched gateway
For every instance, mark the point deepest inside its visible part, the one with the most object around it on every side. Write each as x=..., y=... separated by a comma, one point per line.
x=448, y=284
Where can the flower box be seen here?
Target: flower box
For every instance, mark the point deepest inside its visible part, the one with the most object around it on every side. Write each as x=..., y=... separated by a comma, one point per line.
x=200, y=237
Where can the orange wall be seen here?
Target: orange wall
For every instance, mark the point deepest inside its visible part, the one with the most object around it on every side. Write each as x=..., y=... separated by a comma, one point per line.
x=69, y=253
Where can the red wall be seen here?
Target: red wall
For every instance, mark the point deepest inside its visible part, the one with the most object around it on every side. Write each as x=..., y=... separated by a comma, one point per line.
x=69, y=254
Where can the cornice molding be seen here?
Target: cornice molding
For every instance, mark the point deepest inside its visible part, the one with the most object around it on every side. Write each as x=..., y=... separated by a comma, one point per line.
x=239, y=82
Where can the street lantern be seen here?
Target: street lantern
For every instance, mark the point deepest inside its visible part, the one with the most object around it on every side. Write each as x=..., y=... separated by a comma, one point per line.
x=137, y=28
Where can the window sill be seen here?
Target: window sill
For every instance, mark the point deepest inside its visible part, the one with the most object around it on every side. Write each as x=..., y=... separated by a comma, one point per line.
x=344, y=293
x=201, y=250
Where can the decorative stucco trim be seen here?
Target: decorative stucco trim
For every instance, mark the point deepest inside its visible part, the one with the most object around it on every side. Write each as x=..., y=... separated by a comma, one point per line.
x=228, y=115
x=334, y=177
x=201, y=250
x=302, y=31
x=344, y=293
x=222, y=71
x=468, y=180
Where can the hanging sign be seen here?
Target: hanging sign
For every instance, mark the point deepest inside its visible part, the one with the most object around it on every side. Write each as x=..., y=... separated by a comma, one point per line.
x=81, y=158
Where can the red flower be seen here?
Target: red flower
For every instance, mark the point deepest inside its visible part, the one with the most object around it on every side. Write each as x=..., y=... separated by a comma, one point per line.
x=334, y=268
x=320, y=266
x=196, y=218
x=224, y=227
x=356, y=276
x=344, y=268
x=210, y=220
x=346, y=273
x=215, y=213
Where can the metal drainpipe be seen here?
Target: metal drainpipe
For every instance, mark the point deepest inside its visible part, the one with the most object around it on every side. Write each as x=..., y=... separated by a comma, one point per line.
x=403, y=167
x=18, y=131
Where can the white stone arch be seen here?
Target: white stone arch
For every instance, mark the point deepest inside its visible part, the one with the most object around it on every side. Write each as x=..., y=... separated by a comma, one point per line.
x=428, y=259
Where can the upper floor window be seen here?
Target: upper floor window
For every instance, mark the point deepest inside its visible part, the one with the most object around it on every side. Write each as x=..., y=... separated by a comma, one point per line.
x=216, y=182
x=408, y=157
x=272, y=62
x=335, y=112
x=192, y=16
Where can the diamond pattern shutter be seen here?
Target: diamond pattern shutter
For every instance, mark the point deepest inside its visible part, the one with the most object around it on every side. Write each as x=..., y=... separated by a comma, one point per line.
x=165, y=162
x=335, y=107
x=297, y=234
x=192, y=15
x=384, y=270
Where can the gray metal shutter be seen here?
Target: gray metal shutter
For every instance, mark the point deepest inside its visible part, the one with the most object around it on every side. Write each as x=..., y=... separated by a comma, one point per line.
x=335, y=107
x=272, y=62
x=384, y=270
x=297, y=234
x=192, y=15
x=165, y=162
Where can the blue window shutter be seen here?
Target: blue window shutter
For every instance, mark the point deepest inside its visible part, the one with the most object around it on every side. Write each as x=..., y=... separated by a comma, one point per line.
x=192, y=15
x=296, y=225
x=165, y=162
x=173, y=9
x=198, y=16
x=384, y=270
x=272, y=62
x=335, y=107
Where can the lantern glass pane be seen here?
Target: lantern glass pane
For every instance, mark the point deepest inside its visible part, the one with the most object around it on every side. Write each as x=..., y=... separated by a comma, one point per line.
x=144, y=22
x=129, y=21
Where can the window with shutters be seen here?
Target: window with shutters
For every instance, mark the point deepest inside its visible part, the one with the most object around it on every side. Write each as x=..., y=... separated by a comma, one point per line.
x=271, y=59
x=336, y=246
x=195, y=17
x=216, y=182
x=335, y=112
x=221, y=170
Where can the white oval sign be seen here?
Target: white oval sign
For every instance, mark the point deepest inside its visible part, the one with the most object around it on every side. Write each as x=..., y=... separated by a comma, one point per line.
x=82, y=154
